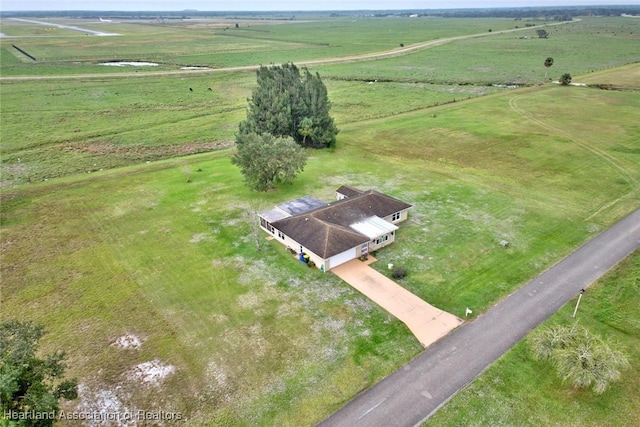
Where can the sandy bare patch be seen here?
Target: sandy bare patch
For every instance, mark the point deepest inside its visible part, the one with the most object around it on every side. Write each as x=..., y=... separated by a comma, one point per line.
x=219, y=387
x=219, y=318
x=249, y=300
x=104, y=405
x=197, y=238
x=152, y=373
x=217, y=374
x=127, y=341
x=257, y=272
x=254, y=300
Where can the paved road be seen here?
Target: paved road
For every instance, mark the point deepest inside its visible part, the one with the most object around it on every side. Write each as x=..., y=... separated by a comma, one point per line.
x=414, y=392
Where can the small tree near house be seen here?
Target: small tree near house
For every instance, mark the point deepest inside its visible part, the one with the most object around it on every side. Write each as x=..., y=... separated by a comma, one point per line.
x=265, y=160
x=305, y=129
x=565, y=79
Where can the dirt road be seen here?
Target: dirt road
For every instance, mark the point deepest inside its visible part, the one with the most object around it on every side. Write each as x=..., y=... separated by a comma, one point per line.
x=337, y=60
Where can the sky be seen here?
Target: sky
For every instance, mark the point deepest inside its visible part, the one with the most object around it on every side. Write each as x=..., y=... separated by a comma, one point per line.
x=285, y=5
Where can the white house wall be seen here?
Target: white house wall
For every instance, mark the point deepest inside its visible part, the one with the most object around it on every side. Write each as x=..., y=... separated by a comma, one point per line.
x=373, y=246
x=403, y=217
x=290, y=243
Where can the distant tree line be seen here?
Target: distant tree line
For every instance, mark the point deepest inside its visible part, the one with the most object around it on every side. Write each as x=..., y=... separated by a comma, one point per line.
x=523, y=12
x=552, y=13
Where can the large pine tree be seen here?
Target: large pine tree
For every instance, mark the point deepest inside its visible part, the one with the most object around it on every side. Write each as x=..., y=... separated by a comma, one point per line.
x=287, y=102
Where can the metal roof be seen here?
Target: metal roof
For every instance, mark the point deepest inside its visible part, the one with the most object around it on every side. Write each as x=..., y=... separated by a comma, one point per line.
x=374, y=227
x=302, y=205
x=274, y=215
x=293, y=208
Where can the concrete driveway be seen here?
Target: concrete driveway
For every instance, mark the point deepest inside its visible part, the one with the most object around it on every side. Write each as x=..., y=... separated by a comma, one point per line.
x=412, y=393
x=427, y=322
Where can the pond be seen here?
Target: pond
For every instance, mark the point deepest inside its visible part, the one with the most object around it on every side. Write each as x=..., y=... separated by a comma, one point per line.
x=130, y=64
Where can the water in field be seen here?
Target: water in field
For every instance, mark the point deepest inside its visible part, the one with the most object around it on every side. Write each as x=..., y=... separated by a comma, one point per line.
x=130, y=64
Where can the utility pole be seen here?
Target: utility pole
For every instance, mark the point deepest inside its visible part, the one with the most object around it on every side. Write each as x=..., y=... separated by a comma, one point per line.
x=578, y=303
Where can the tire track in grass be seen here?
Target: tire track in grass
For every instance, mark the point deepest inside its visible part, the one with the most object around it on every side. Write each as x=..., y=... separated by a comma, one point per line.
x=603, y=155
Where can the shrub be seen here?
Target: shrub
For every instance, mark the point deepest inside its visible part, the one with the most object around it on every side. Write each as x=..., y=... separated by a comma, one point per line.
x=579, y=357
x=565, y=79
x=399, y=272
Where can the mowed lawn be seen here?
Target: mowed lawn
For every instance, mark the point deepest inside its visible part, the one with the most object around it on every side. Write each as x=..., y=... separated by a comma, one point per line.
x=521, y=167
x=249, y=336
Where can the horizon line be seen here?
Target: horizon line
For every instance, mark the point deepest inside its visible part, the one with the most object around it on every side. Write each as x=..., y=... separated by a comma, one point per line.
x=630, y=4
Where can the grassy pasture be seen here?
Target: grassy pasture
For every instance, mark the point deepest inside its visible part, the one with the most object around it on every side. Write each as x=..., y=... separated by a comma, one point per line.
x=509, y=58
x=518, y=390
x=54, y=128
x=252, y=334
x=90, y=124
x=256, y=338
x=199, y=294
x=214, y=45
x=63, y=127
x=548, y=169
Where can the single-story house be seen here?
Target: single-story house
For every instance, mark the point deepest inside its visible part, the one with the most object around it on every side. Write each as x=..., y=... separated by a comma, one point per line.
x=330, y=234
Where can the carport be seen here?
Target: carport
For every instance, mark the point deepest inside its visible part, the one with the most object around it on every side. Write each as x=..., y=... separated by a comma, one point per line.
x=425, y=321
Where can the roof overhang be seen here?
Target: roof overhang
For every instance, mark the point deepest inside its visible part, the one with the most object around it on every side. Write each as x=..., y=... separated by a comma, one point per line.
x=374, y=227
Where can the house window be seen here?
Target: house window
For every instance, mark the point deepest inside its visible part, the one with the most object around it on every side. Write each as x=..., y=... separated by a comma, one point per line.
x=382, y=239
x=281, y=234
x=396, y=216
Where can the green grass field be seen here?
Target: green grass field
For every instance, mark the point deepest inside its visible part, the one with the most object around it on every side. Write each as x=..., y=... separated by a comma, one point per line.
x=510, y=58
x=103, y=236
x=220, y=44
